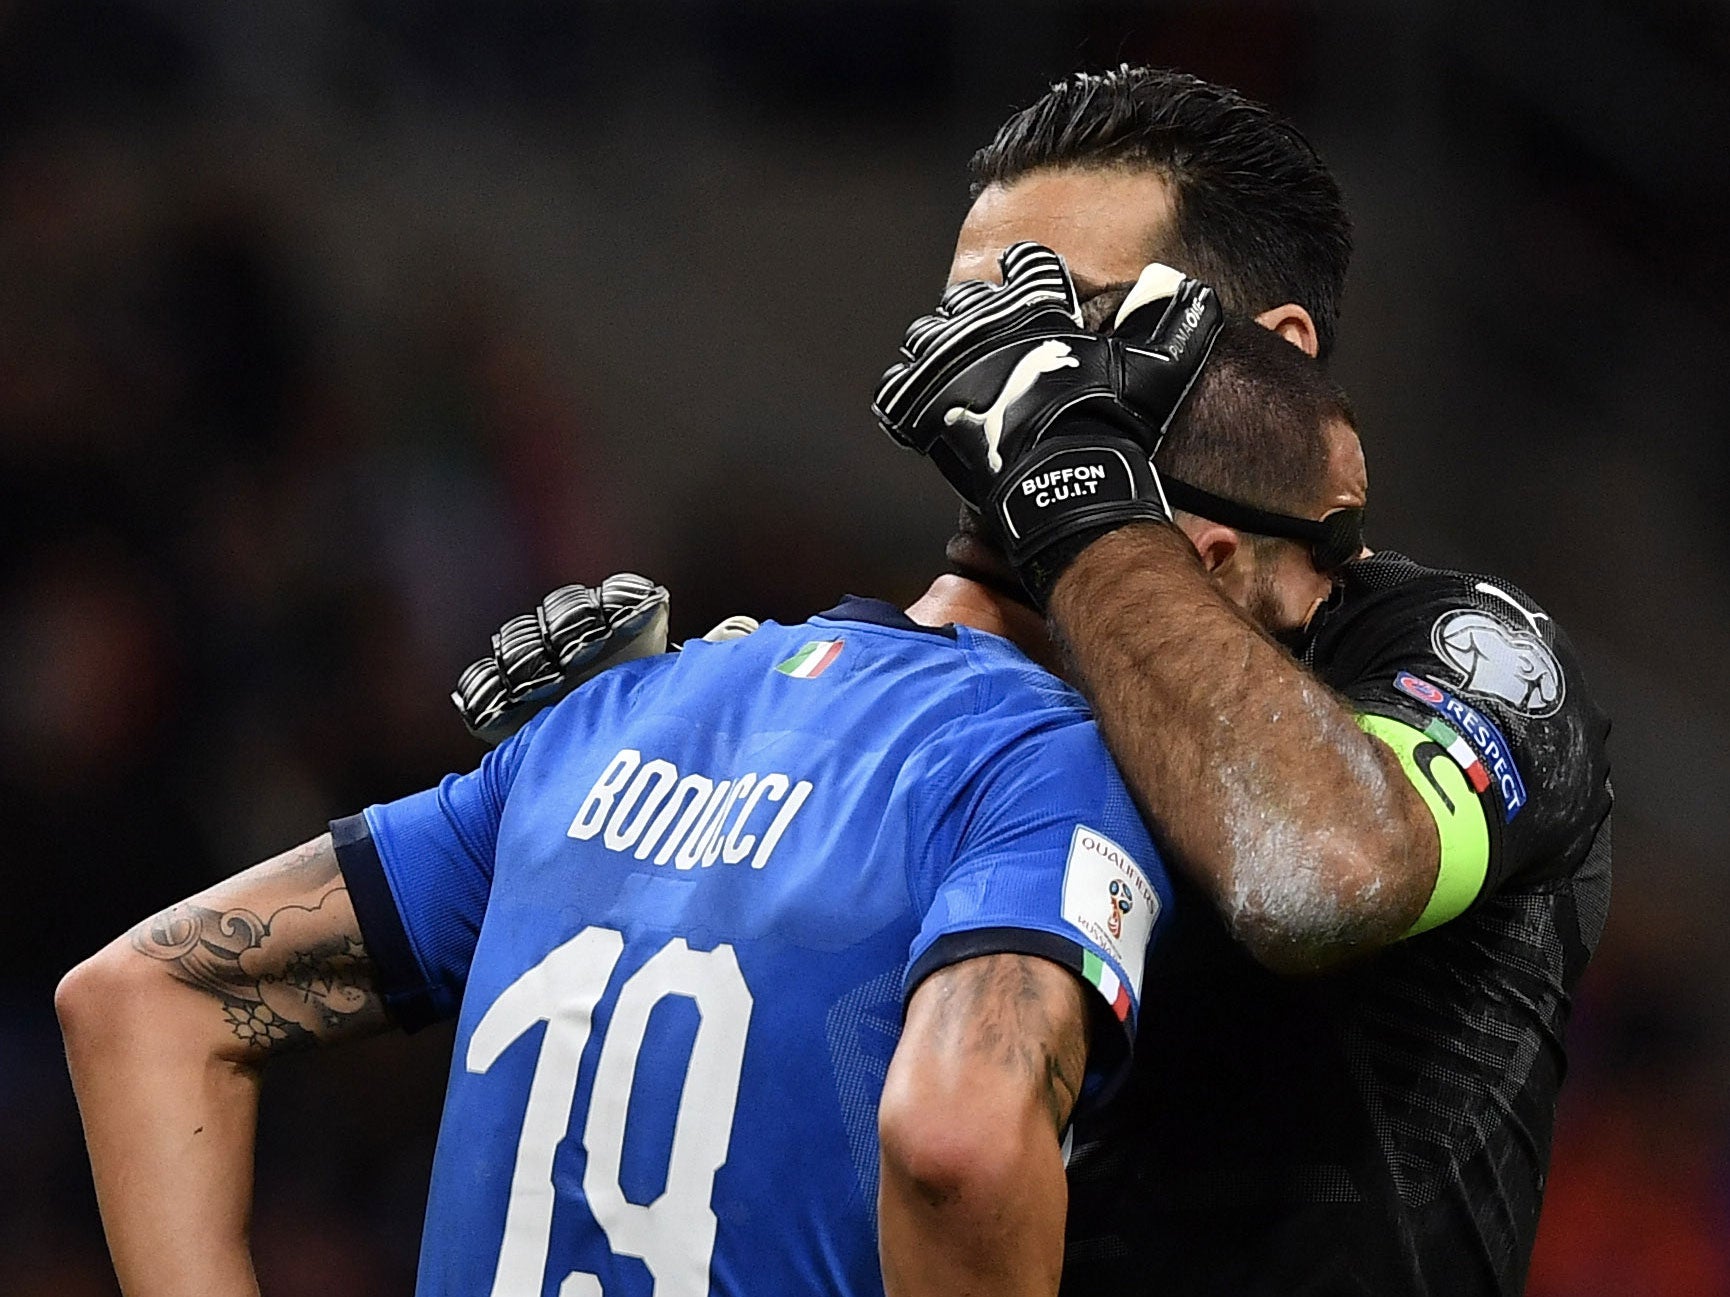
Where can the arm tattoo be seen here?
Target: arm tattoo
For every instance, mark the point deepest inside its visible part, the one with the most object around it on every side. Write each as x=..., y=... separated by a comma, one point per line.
x=284, y=981
x=1019, y=1012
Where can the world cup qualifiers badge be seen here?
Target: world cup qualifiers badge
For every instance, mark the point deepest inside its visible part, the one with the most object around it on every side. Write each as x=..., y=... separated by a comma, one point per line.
x=1121, y=904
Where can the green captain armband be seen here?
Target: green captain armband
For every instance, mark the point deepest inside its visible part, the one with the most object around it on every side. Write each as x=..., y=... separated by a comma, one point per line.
x=1460, y=822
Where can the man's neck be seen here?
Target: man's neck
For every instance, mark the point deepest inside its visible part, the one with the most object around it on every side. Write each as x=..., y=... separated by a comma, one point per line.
x=957, y=600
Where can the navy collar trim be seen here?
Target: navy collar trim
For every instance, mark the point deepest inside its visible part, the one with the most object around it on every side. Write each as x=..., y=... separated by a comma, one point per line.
x=878, y=612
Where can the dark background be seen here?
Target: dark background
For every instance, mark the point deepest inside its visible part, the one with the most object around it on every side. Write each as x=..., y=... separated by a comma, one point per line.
x=332, y=333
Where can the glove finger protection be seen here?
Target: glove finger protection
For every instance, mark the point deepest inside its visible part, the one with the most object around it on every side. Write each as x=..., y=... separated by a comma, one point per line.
x=1165, y=330
x=575, y=633
x=570, y=627
x=735, y=627
x=921, y=332
x=1036, y=300
x=959, y=296
x=636, y=612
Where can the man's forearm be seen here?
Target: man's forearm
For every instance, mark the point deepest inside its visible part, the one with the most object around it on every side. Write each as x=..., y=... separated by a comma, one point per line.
x=165, y=1031
x=170, y=1131
x=1257, y=778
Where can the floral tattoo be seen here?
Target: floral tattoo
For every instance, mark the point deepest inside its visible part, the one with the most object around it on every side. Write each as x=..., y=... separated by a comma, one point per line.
x=284, y=982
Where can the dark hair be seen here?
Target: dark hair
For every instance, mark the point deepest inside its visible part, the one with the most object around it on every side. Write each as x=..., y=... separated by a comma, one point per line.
x=1254, y=427
x=1257, y=213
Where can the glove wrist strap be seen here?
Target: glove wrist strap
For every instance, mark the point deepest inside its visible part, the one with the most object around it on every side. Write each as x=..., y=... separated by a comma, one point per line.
x=1065, y=494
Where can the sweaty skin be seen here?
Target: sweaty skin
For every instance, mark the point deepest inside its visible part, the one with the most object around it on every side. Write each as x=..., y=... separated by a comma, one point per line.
x=1255, y=777
x=1300, y=826
x=973, y=1195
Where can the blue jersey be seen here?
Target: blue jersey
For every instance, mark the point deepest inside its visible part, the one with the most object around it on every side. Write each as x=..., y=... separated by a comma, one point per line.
x=677, y=917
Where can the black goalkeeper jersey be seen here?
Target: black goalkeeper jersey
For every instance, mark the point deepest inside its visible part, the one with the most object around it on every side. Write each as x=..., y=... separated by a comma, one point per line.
x=1385, y=1128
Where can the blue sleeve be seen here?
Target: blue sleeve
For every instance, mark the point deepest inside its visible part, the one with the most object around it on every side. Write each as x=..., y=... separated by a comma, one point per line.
x=1050, y=859
x=419, y=871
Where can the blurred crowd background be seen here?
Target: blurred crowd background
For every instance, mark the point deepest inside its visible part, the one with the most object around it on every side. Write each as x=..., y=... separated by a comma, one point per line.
x=332, y=333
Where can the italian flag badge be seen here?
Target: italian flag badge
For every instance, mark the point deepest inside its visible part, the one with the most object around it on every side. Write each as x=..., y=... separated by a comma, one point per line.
x=812, y=660
x=1461, y=751
x=1097, y=971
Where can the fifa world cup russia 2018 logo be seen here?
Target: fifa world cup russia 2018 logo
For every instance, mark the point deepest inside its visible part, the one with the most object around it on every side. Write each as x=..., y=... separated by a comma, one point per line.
x=1121, y=904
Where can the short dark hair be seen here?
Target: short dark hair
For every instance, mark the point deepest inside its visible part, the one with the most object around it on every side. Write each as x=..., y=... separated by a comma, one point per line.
x=1257, y=213
x=1254, y=428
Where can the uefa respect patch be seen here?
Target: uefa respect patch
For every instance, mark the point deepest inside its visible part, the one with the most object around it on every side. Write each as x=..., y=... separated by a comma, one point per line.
x=1487, y=758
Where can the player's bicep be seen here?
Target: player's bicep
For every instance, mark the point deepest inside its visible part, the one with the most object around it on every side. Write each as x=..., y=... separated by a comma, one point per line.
x=275, y=954
x=1447, y=820
x=1054, y=864
x=1478, y=696
x=1003, y=1028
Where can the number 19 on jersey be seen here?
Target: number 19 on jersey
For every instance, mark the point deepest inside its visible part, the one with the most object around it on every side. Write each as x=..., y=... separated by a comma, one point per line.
x=675, y=1234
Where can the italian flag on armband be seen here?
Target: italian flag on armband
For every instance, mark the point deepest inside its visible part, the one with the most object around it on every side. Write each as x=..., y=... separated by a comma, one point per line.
x=1461, y=751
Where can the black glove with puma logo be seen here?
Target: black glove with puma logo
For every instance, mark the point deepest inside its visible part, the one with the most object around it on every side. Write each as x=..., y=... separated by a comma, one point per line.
x=1046, y=428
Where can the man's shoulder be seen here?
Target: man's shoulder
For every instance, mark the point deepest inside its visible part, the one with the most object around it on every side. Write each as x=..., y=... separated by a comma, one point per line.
x=1018, y=683
x=1000, y=679
x=1482, y=635
x=1473, y=658
x=862, y=672
x=1391, y=583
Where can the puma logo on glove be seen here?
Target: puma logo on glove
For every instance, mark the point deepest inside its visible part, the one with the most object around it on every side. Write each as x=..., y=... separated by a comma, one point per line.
x=1046, y=358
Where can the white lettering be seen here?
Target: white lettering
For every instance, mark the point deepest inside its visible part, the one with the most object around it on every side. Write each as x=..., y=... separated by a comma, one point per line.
x=690, y=795
x=772, y=786
x=648, y=808
x=622, y=830
x=1074, y=491
x=691, y=849
x=1501, y=765
x=789, y=809
x=1057, y=477
x=592, y=814
x=1191, y=318
x=718, y=831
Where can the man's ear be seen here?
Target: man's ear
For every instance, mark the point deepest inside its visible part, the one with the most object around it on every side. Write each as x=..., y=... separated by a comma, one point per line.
x=1292, y=323
x=1216, y=544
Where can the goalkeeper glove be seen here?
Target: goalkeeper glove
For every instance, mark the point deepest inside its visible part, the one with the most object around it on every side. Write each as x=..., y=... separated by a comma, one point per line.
x=1045, y=428
x=576, y=633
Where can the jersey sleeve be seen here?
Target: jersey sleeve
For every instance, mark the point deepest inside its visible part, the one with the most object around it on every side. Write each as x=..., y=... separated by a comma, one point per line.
x=1481, y=696
x=1047, y=856
x=419, y=871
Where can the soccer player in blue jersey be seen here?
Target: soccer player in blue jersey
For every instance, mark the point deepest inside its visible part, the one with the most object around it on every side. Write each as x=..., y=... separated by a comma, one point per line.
x=676, y=916
x=779, y=966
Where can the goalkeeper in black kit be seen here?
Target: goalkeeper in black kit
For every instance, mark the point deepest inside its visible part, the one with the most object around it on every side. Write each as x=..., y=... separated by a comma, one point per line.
x=1385, y=785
